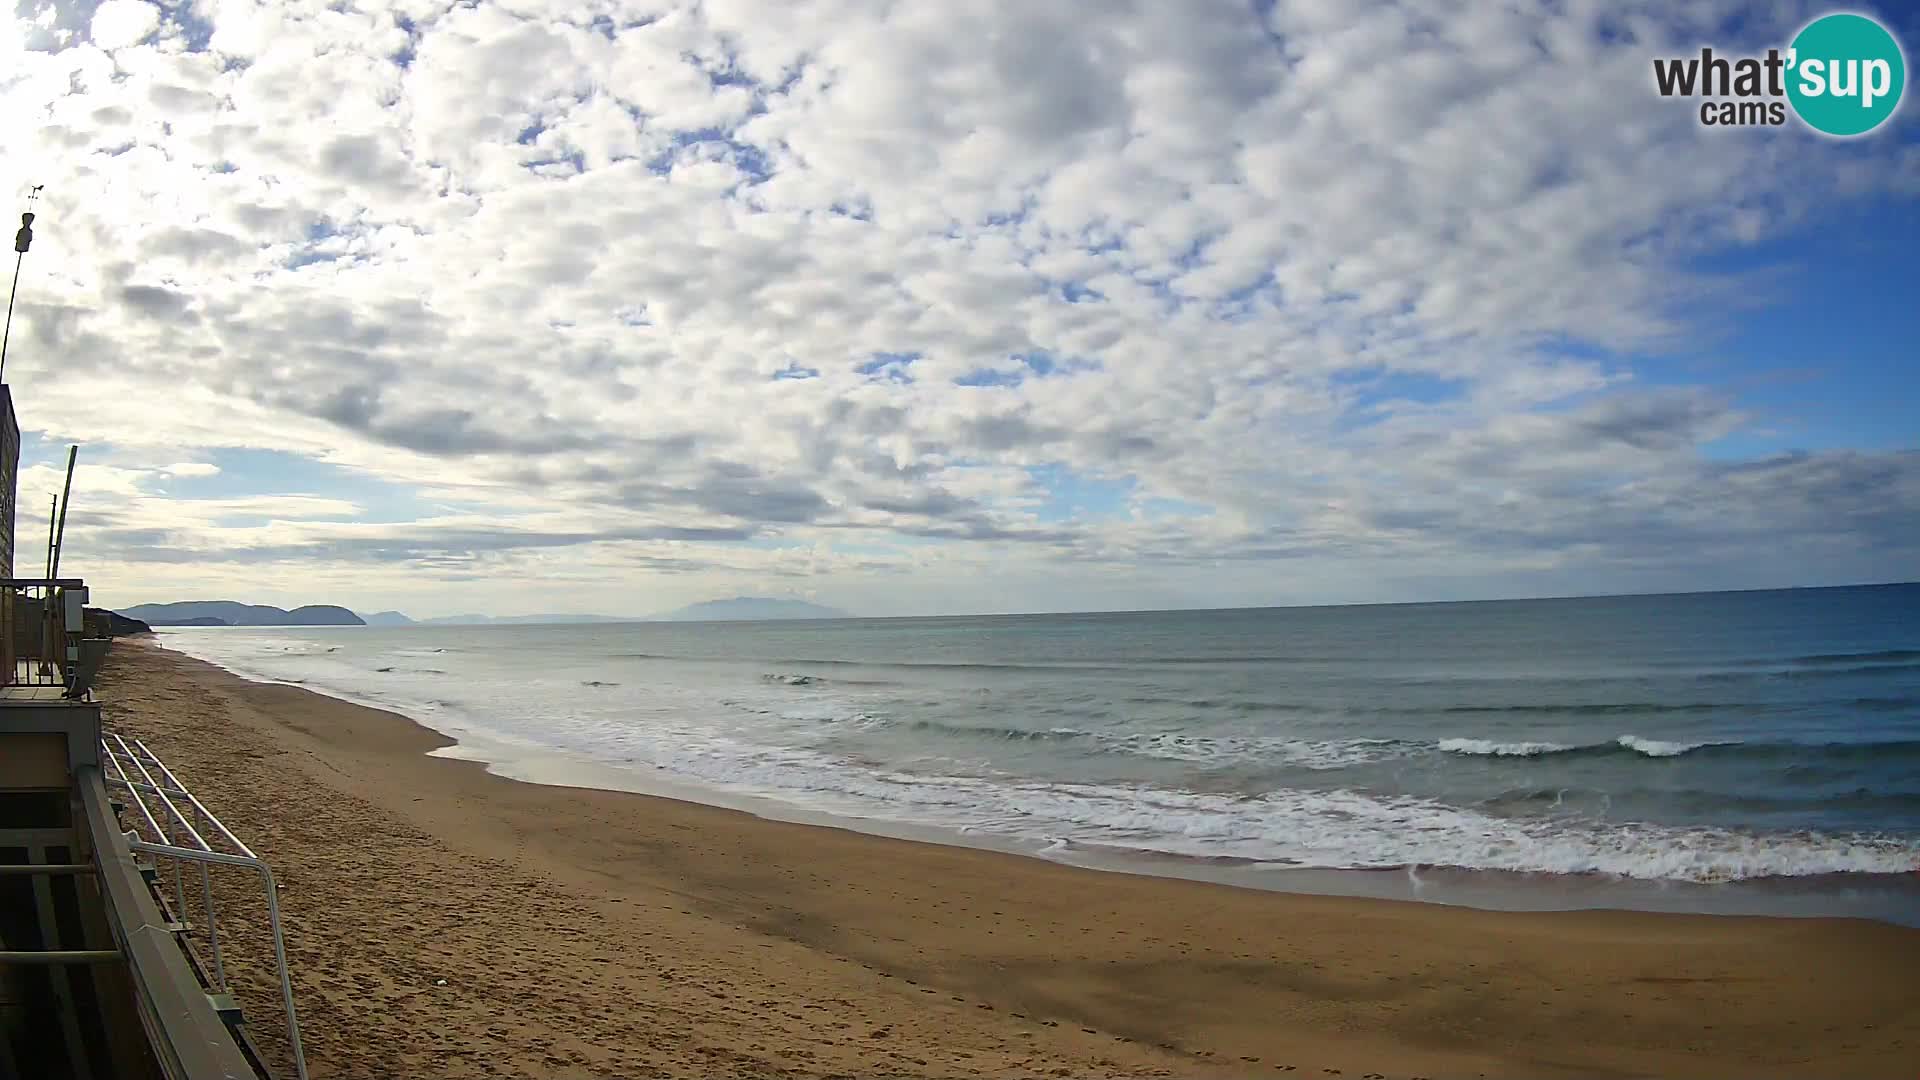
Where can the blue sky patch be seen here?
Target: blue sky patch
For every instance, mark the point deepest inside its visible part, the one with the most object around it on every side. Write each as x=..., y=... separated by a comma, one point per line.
x=1370, y=393
x=890, y=367
x=1819, y=356
x=687, y=146
x=1038, y=364
x=404, y=57
x=1076, y=496
x=246, y=472
x=1155, y=508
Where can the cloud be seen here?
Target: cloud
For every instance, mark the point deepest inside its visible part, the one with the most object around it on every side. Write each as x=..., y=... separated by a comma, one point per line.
x=154, y=302
x=866, y=292
x=120, y=23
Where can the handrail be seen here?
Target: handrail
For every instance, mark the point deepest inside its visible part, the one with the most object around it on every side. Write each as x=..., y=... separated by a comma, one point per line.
x=181, y=789
x=273, y=920
x=192, y=833
x=159, y=831
x=183, y=1030
x=119, y=754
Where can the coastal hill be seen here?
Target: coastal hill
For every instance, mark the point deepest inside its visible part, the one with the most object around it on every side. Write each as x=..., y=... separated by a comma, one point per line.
x=234, y=613
x=395, y=618
x=740, y=608
x=751, y=607
x=103, y=623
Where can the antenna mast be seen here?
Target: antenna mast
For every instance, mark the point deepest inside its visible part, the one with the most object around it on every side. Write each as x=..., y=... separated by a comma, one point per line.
x=22, y=240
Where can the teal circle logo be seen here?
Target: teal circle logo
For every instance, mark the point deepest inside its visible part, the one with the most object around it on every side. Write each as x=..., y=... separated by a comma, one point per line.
x=1845, y=74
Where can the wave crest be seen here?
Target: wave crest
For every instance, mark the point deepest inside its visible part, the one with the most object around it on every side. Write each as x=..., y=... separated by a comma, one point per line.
x=1664, y=748
x=1655, y=748
x=1490, y=748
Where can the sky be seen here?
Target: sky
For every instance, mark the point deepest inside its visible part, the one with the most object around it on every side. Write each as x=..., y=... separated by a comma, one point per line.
x=611, y=307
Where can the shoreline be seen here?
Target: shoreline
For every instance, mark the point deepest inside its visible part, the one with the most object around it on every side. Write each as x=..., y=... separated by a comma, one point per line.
x=1889, y=898
x=584, y=932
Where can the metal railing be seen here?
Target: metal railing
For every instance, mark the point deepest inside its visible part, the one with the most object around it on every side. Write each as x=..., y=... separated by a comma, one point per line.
x=131, y=767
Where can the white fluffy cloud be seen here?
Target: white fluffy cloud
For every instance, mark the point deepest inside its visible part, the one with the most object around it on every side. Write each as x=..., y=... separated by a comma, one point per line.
x=1113, y=304
x=119, y=23
x=191, y=468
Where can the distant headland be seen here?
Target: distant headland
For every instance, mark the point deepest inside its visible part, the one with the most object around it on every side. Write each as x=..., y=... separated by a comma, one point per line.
x=234, y=613
x=752, y=607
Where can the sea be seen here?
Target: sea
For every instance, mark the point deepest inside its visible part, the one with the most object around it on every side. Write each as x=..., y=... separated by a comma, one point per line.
x=1742, y=752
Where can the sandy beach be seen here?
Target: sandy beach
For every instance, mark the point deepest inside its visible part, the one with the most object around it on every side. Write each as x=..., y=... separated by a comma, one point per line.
x=587, y=933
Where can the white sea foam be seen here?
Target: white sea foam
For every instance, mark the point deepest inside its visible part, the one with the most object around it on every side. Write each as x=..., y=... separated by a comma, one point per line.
x=1216, y=750
x=774, y=747
x=1490, y=748
x=1166, y=746
x=1658, y=747
x=1321, y=829
x=1639, y=745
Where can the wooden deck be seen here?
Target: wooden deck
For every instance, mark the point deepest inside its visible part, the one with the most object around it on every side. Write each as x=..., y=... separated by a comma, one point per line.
x=36, y=695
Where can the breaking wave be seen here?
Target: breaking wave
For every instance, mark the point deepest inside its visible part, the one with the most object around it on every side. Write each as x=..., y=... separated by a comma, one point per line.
x=1658, y=748
x=1662, y=748
x=1476, y=767
x=1334, y=829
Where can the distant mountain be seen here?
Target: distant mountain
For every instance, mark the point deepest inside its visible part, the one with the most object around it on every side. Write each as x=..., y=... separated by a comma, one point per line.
x=233, y=613
x=323, y=615
x=455, y=620
x=516, y=620
x=750, y=608
x=525, y=619
x=103, y=623
x=741, y=608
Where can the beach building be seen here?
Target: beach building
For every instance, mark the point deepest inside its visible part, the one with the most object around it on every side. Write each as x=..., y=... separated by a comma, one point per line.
x=107, y=967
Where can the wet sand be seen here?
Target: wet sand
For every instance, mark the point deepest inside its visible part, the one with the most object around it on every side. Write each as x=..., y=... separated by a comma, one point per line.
x=588, y=933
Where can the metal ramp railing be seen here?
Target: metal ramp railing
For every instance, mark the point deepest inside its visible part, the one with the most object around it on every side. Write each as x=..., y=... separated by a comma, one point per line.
x=131, y=767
